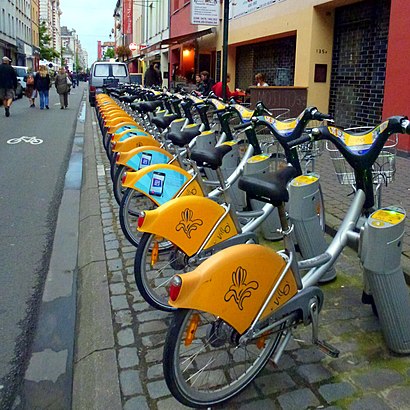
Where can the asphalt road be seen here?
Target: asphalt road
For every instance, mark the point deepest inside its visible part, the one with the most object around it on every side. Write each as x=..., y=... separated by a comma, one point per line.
x=31, y=185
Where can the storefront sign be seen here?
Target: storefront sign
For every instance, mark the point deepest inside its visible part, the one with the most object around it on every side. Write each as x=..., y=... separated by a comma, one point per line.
x=239, y=8
x=127, y=17
x=205, y=12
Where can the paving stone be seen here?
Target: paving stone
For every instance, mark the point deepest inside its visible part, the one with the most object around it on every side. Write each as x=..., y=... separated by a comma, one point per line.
x=378, y=379
x=336, y=391
x=314, y=373
x=111, y=245
x=110, y=237
x=125, y=337
x=117, y=289
x=136, y=403
x=308, y=355
x=399, y=398
x=107, y=230
x=123, y=317
x=152, y=315
x=112, y=254
x=119, y=302
x=158, y=389
x=126, y=249
x=114, y=264
x=117, y=277
x=155, y=371
x=128, y=357
x=154, y=355
x=140, y=307
x=107, y=215
x=107, y=222
x=274, y=383
x=298, y=400
x=129, y=256
x=266, y=404
x=170, y=404
x=154, y=340
x=370, y=402
x=150, y=327
x=130, y=382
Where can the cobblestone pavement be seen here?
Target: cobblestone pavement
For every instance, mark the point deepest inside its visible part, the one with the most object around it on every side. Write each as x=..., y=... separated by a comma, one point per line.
x=365, y=376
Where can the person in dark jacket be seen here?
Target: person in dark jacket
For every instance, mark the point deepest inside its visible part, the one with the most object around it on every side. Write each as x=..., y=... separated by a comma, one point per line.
x=150, y=76
x=42, y=85
x=207, y=83
x=8, y=84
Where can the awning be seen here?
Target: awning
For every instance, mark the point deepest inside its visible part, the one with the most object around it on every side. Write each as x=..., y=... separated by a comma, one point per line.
x=188, y=37
x=156, y=48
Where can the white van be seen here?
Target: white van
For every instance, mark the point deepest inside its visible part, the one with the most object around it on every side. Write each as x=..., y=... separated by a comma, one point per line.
x=103, y=74
x=21, y=75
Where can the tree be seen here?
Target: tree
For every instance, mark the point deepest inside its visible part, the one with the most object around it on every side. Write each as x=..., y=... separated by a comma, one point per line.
x=109, y=53
x=46, y=52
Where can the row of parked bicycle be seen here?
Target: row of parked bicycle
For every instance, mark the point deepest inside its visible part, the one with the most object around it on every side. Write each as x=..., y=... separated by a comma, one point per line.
x=198, y=180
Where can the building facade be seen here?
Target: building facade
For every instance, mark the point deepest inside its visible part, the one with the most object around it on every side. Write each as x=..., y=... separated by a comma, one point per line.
x=18, y=19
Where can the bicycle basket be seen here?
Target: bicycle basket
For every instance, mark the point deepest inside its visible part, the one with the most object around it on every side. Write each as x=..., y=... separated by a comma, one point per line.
x=383, y=170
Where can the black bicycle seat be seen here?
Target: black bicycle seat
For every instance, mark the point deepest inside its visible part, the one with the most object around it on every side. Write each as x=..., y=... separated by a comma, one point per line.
x=271, y=188
x=184, y=137
x=164, y=121
x=211, y=158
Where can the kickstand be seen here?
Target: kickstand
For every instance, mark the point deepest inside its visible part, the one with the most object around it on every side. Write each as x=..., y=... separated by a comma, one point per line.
x=321, y=344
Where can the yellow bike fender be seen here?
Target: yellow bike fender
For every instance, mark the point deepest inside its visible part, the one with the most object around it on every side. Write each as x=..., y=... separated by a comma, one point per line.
x=115, y=119
x=135, y=142
x=186, y=221
x=141, y=157
x=234, y=283
x=128, y=123
x=122, y=135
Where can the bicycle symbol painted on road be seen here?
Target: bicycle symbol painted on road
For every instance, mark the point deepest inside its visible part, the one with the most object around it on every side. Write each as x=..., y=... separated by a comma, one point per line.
x=31, y=140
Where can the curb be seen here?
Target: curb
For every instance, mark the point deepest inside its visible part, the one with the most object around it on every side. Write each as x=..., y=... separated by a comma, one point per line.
x=95, y=381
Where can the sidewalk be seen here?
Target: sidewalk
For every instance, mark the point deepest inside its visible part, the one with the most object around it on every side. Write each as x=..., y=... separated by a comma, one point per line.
x=118, y=360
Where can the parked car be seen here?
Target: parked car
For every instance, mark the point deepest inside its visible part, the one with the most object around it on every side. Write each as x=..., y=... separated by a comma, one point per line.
x=21, y=72
x=103, y=74
x=19, y=90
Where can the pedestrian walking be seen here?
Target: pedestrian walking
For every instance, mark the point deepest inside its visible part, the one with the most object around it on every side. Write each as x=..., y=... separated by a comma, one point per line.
x=30, y=92
x=63, y=87
x=42, y=85
x=8, y=84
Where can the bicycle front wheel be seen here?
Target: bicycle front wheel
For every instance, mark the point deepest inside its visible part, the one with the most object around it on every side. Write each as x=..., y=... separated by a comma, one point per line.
x=204, y=364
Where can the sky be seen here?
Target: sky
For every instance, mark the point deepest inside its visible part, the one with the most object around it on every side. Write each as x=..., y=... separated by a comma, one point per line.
x=91, y=19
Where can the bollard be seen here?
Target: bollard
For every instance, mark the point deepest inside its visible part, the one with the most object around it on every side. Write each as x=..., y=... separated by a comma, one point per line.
x=380, y=254
x=304, y=203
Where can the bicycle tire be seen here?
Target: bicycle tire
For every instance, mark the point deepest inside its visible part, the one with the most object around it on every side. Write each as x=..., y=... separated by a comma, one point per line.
x=132, y=203
x=153, y=277
x=117, y=187
x=182, y=364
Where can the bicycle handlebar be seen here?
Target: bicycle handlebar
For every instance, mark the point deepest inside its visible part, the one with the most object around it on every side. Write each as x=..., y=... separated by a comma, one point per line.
x=300, y=140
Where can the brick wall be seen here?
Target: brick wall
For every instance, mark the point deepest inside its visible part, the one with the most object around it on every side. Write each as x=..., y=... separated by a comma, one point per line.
x=274, y=58
x=359, y=63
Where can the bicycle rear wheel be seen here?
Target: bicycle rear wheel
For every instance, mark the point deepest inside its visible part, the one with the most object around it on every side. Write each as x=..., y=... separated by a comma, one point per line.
x=132, y=203
x=204, y=365
x=157, y=260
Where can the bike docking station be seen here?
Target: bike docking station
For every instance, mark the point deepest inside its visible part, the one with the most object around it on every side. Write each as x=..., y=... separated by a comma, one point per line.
x=383, y=275
x=304, y=210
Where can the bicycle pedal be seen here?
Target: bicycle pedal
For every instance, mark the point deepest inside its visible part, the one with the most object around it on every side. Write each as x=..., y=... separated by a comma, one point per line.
x=327, y=348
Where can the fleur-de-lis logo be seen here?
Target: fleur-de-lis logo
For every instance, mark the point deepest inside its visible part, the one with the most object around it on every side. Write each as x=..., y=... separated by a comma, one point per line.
x=240, y=290
x=187, y=224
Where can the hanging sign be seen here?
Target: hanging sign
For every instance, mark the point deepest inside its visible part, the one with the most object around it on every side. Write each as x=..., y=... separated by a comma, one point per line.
x=205, y=12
